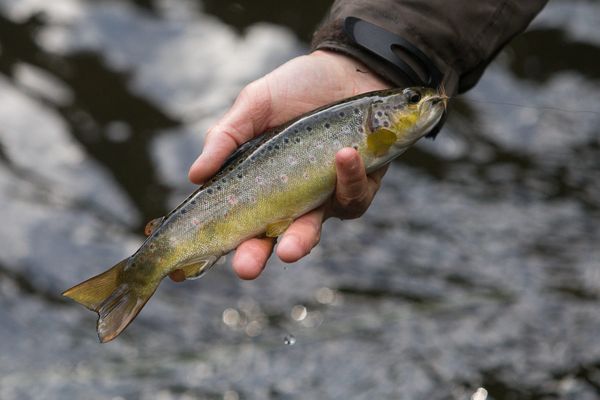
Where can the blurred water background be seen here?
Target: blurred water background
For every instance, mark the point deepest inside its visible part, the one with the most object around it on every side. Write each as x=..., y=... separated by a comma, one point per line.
x=477, y=265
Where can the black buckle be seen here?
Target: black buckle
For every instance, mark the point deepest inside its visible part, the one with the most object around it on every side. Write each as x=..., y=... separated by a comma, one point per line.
x=381, y=42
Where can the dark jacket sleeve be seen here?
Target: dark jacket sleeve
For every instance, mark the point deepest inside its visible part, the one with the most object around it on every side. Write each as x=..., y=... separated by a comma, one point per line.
x=461, y=37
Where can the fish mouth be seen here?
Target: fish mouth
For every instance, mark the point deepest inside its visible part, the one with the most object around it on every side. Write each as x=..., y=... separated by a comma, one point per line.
x=434, y=113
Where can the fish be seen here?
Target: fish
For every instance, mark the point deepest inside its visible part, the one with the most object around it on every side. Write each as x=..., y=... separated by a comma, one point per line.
x=262, y=187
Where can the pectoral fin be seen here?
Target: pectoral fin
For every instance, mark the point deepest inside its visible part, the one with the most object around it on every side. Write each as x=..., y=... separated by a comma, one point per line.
x=277, y=228
x=193, y=271
x=152, y=225
x=380, y=141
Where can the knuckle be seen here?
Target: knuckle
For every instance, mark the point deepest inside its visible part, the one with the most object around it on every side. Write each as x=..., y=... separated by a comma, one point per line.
x=352, y=207
x=230, y=133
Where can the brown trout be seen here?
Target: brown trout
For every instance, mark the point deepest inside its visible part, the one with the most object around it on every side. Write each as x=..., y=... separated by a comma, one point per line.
x=260, y=190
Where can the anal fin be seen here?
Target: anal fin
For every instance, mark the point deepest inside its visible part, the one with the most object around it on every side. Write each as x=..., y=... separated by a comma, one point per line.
x=278, y=227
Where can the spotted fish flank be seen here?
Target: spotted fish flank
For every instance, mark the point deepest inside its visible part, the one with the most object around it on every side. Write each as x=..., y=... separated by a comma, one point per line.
x=261, y=189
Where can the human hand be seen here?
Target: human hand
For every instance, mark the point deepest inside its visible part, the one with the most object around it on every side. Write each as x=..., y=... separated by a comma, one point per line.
x=299, y=86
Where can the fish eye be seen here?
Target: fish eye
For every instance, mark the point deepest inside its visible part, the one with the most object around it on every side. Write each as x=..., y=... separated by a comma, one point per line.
x=412, y=96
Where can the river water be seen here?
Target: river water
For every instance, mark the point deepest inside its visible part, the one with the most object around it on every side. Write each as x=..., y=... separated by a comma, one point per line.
x=477, y=265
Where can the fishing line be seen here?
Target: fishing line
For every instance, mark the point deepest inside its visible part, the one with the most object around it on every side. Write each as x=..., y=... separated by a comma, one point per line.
x=541, y=108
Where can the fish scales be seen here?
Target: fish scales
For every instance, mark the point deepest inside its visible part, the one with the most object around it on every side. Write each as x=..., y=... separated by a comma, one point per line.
x=270, y=180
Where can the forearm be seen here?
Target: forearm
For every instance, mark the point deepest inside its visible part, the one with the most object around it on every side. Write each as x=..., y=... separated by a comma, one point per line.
x=461, y=37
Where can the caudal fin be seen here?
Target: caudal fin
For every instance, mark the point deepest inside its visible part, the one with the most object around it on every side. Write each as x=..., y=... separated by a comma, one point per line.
x=116, y=301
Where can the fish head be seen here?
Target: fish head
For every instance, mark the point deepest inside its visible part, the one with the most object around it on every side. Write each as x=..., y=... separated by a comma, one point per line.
x=403, y=117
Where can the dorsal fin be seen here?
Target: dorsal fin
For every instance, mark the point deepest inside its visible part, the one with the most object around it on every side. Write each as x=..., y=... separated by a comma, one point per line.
x=152, y=225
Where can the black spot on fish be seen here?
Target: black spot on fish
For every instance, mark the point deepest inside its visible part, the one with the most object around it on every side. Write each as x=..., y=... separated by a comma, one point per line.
x=297, y=140
x=218, y=187
x=295, y=130
x=183, y=211
x=379, y=113
x=193, y=202
x=286, y=140
x=224, y=180
x=327, y=125
x=269, y=147
x=386, y=123
x=240, y=176
x=355, y=147
x=276, y=147
x=342, y=114
x=356, y=111
x=210, y=191
x=308, y=128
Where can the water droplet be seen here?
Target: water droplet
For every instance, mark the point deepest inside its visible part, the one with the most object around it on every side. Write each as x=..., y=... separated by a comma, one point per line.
x=254, y=328
x=299, y=312
x=480, y=394
x=325, y=295
x=231, y=317
x=290, y=340
x=231, y=395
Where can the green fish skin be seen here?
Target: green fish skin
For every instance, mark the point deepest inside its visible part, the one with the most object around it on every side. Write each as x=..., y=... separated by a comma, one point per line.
x=261, y=189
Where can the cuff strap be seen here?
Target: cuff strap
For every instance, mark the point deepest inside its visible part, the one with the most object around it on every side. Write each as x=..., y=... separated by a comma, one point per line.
x=383, y=43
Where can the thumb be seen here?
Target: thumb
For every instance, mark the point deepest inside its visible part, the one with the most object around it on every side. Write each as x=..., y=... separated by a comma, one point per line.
x=248, y=117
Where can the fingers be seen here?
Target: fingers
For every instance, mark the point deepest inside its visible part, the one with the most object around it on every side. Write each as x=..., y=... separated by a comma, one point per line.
x=248, y=117
x=300, y=238
x=251, y=256
x=354, y=190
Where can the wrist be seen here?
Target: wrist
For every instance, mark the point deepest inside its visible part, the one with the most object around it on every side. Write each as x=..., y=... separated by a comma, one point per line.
x=364, y=79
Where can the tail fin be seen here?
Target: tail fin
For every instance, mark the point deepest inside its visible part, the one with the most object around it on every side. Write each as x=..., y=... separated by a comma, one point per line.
x=116, y=301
